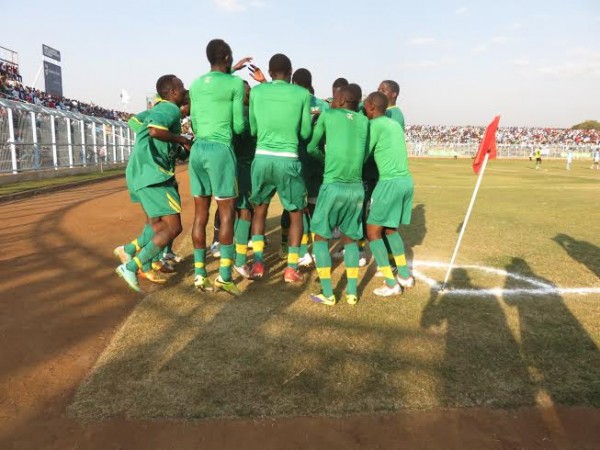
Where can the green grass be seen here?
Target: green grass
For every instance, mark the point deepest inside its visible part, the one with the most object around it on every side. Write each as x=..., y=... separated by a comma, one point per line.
x=49, y=182
x=273, y=353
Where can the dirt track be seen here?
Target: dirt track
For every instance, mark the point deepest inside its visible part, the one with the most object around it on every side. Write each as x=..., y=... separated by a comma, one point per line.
x=60, y=304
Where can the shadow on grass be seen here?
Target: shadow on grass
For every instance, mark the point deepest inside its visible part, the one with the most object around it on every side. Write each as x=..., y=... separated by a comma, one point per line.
x=562, y=359
x=581, y=251
x=481, y=364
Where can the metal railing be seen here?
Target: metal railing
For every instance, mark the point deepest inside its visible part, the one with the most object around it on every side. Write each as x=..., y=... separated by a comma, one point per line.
x=34, y=137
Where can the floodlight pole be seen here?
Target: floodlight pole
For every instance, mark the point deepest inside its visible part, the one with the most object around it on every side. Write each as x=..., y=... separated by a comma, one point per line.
x=39, y=72
x=464, y=225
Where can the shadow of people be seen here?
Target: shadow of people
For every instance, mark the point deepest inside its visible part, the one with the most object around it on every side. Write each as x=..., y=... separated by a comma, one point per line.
x=562, y=359
x=414, y=234
x=481, y=364
x=581, y=251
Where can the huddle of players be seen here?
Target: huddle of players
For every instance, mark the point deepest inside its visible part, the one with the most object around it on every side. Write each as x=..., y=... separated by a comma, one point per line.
x=247, y=148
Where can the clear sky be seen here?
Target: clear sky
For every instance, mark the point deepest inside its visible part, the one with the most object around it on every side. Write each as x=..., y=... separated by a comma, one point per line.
x=458, y=63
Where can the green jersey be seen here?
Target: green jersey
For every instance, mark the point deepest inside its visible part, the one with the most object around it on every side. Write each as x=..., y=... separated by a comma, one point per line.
x=279, y=118
x=151, y=161
x=217, y=107
x=389, y=148
x=244, y=145
x=347, y=135
x=136, y=122
x=393, y=112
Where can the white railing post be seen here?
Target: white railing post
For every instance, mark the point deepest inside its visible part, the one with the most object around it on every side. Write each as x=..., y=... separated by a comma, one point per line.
x=35, y=149
x=104, y=142
x=54, y=148
x=121, y=143
x=69, y=144
x=113, y=141
x=11, y=136
x=95, y=142
x=83, y=151
x=128, y=142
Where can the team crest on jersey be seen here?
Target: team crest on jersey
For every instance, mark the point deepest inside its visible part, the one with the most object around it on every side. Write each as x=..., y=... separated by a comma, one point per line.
x=350, y=116
x=208, y=79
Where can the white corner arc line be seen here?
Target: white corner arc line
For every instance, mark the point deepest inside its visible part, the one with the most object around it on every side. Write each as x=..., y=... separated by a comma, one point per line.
x=540, y=288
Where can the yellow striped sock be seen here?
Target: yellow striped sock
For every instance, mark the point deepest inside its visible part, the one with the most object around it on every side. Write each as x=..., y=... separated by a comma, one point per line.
x=324, y=272
x=400, y=260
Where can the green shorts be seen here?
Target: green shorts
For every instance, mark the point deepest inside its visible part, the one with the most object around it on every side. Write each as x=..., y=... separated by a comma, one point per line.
x=160, y=199
x=133, y=195
x=391, y=204
x=339, y=205
x=213, y=170
x=272, y=174
x=244, y=178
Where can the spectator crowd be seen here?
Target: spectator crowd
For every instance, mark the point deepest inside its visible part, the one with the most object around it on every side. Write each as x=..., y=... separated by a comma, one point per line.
x=505, y=135
x=12, y=88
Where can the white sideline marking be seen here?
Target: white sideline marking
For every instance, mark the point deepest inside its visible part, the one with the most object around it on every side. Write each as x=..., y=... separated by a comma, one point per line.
x=540, y=288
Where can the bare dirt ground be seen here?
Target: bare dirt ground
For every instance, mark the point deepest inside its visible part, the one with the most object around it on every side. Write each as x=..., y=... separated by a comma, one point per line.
x=60, y=304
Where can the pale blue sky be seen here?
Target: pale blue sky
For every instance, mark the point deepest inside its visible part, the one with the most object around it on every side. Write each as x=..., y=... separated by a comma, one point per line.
x=535, y=62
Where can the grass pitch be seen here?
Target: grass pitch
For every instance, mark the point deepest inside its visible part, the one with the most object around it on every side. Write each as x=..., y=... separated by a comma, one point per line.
x=272, y=352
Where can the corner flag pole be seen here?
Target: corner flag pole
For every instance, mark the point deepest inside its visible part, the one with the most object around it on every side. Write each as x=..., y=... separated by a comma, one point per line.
x=464, y=225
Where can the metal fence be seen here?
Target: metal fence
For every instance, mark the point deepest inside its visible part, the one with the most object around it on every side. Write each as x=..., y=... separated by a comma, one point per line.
x=449, y=150
x=34, y=137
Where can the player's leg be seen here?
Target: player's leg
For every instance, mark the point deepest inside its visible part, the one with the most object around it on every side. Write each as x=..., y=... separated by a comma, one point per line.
x=222, y=168
x=201, y=212
x=291, y=274
x=162, y=203
x=385, y=213
x=242, y=228
x=350, y=198
x=201, y=189
x=323, y=264
x=227, y=216
x=258, y=240
x=244, y=219
x=375, y=234
x=263, y=189
x=292, y=192
x=215, y=246
x=285, y=231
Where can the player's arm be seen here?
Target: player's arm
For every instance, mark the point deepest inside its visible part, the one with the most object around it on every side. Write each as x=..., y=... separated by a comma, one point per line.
x=251, y=116
x=239, y=122
x=368, y=149
x=163, y=134
x=371, y=142
x=241, y=64
x=306, y=120
x=257, y=74
x=317, y=139
x=161, y=122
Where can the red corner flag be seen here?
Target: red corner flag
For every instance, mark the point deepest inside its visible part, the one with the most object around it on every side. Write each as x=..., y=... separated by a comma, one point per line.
x=488, y=145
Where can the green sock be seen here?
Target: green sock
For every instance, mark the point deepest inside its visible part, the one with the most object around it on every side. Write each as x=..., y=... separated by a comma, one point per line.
x=351, y=263
x=323, y=262
x=200, y=262
x=381, y=257
x=397, y=247
x=241, y=241
x=304, y=241
x=258, y=246
x=145, y=255
x=226, y=261
x=138, y=243
x=293, y=257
